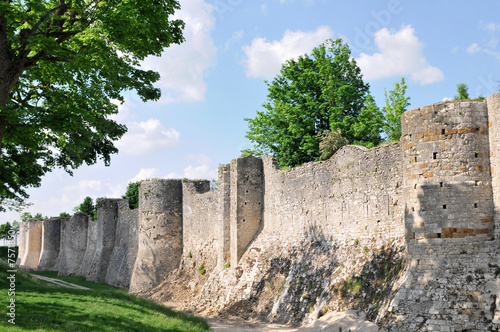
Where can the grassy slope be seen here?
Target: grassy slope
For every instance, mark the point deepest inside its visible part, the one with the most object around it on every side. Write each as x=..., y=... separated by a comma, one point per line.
x=41, y=306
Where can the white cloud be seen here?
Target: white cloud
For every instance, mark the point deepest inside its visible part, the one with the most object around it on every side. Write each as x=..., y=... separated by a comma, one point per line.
x=448, y=99
x=146, y=138
x=182, y=67
x=145, y=173
x=200, y=159
x=474, y=48
x=200, y=172
x=237, y=35
x=490, y=26
x=401, y=54
x=125, y=112
x=86, y=186
x=203, y=170
x=264, y=59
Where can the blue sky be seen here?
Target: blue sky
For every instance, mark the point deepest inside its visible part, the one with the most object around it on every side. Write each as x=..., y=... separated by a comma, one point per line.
x=216, y=79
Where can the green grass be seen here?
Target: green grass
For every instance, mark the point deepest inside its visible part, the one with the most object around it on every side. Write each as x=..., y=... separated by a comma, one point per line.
x=42, y=306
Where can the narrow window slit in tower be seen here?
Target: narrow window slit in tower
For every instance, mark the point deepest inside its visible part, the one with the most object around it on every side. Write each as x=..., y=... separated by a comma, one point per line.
x=441, y=184
x=434, y=155
x=475, y=205
x=477, y=183
x=442, y=131
x=444, y=207
x=415, y=186
x=439, y=235
x=415, y=158
x=476, y=155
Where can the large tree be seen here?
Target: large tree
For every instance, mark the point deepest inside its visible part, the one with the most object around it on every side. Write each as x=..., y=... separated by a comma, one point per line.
x=61, y=64
x=313, y=94
x=396, y=103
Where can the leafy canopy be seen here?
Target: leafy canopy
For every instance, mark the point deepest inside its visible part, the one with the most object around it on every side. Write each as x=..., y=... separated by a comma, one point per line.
x=463, y=92
x=132, y=194
x=313, y=94
x=61, y=64
x=396, y=103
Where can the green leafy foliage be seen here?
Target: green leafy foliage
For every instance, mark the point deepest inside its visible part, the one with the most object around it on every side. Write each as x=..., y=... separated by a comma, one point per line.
x=132, y=194
x=61, y=65
x=330, y=142
x=462, y=92
x=5, y=230
x=396, y=103
x=64, y=215
x=315, y=93
x=87, y=207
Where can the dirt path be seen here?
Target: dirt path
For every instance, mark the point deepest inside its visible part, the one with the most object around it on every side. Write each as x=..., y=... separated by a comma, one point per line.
x=332, y=322
x=58, y=282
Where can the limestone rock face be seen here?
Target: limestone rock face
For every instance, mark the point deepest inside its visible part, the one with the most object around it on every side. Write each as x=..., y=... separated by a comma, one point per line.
x=33, y=246
x=51, y=235
x=160, y=233
x=122, y=259
x=73, y=244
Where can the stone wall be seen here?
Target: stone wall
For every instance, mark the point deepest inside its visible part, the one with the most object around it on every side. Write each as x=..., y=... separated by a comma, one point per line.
x=357, y=194
x=31, y=256
x=122, y=259
x=201, y=226
x=449, y=219
x=438, y=188
x=23, y=242
x=160, y=233
x=493, y=103
x=73, y=244
x=51, y=235
x=101, y=241
x=246, y=204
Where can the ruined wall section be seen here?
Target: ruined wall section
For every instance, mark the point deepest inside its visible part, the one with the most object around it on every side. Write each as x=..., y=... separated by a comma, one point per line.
x=98, y=254
x=160, y=233
x=224, y=214
x=202, y=232
x=493, y=104
x=23, y=242
x=356, y=194
x=449, y=219
x=33, y=247
x=122, y=259
x=246, y=204
x=73, y=244
x=51, y=237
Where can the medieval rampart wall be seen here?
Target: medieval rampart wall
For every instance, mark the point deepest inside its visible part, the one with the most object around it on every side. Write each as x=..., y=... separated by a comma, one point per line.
x=439, y=187
x=73, y=244
x=122, y=259
x=51, y=235
x=449, y=219
x=160, y=233
x=357, y=194
x=202, y=232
